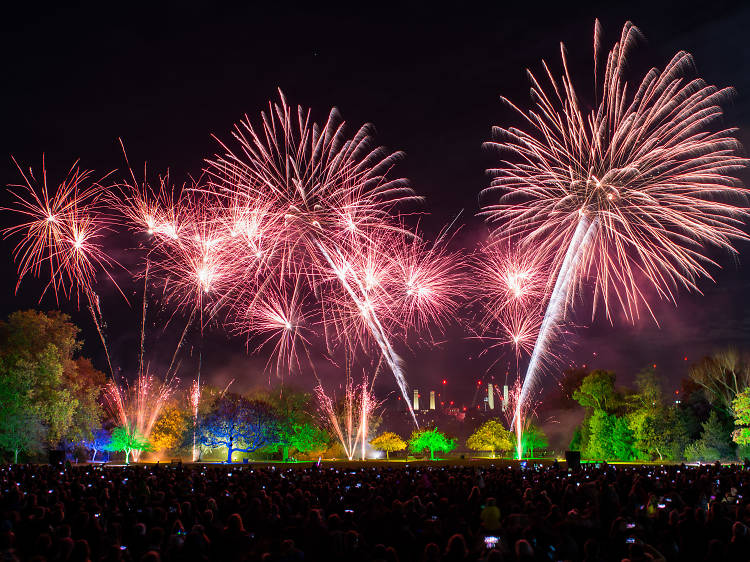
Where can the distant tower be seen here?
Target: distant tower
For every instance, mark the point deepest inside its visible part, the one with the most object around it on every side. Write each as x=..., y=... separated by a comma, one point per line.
x=432, y=400
x=490, y=397
x=505, y=397
x=416, y=399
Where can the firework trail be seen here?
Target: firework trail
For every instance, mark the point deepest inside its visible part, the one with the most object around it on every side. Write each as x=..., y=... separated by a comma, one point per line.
x=195, y=399
x=627, y=196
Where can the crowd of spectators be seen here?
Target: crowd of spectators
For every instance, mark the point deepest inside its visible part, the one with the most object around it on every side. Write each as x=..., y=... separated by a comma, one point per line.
x=387, y=513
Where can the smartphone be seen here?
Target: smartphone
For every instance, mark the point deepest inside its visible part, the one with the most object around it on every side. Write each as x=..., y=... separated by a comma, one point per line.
x=630, y=540
x=490, y=541
x=630, y=526
x=348, y=511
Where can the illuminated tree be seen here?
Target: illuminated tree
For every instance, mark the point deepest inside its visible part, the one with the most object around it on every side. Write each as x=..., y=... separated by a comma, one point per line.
x=741, y=406
x=21, y=432
x=40, y=376
x=169, y=430
x=598, y=445
x=532, y=438
x=85, y=384
x=291, y=409
x=388, y=442
x=597, y=390
x=431, y=440
x=490, y=436
x=307, y=438
x=238, y=424
x=99, y=440
x=648, y=417
x=127, y=440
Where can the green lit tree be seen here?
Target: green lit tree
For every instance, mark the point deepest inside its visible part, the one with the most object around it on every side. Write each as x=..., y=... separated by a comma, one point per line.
x=622, y=440
x=291, y=408
x=307, y=438
x=431, y=440
x=647, y=418
x=597, y=391
x=532, y=438
x=127, y=440
x=388, y=442
x=741, y=406
x=490, y=436
x=601, y=426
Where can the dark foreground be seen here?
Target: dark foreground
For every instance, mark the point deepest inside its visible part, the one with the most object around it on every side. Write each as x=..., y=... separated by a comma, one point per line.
x=384, y=513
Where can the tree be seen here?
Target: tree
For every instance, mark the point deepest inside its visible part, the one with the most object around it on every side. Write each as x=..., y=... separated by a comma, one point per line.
x=597, y=390
x=722, y=376
x=622, y=440
x=388, y=442
x=100, y=439
x=307, y=438
x=601, y=426
x=21, y=432
x=432, y=440
x=490, y=436
x=714, y=443
x=532, y=438
x=647, y=417
x=127, y=439
x=741, y=407
x=238, y=424
x=39, y=374
x=170, y=428
x=85, y=383
x=291, y=409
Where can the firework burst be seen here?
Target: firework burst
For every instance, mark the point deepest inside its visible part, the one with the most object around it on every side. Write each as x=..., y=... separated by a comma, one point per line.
x=627, y=195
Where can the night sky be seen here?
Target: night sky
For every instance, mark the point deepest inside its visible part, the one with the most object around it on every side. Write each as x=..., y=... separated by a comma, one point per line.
x=78, y=77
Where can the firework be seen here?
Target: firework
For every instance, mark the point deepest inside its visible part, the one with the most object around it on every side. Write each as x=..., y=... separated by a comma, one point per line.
x=61, y=232
x=195, y=400
x=628, y=195
x=137, y=407
x=292, y=238
x=326, y=219
x=350, y=419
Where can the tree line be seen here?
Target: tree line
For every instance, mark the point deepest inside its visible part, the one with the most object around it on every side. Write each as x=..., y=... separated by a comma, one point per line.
x=706, y=420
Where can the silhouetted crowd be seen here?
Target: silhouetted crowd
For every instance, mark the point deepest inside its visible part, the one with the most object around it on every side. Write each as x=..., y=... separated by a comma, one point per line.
x=386, y=514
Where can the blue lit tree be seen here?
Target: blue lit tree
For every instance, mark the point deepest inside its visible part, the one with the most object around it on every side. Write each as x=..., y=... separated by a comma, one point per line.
x=238, y=424
x=99, y=441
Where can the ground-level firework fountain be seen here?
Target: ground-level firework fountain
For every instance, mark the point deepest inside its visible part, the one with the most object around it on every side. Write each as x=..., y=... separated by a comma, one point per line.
x=349, y=419
x=136, y=407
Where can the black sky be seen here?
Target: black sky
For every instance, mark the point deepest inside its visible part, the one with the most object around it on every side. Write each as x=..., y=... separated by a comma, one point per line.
x=76, y=77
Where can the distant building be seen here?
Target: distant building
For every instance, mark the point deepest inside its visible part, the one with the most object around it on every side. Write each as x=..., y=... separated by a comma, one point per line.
x=432, y=400
x=490, y=396
x=416, y=399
